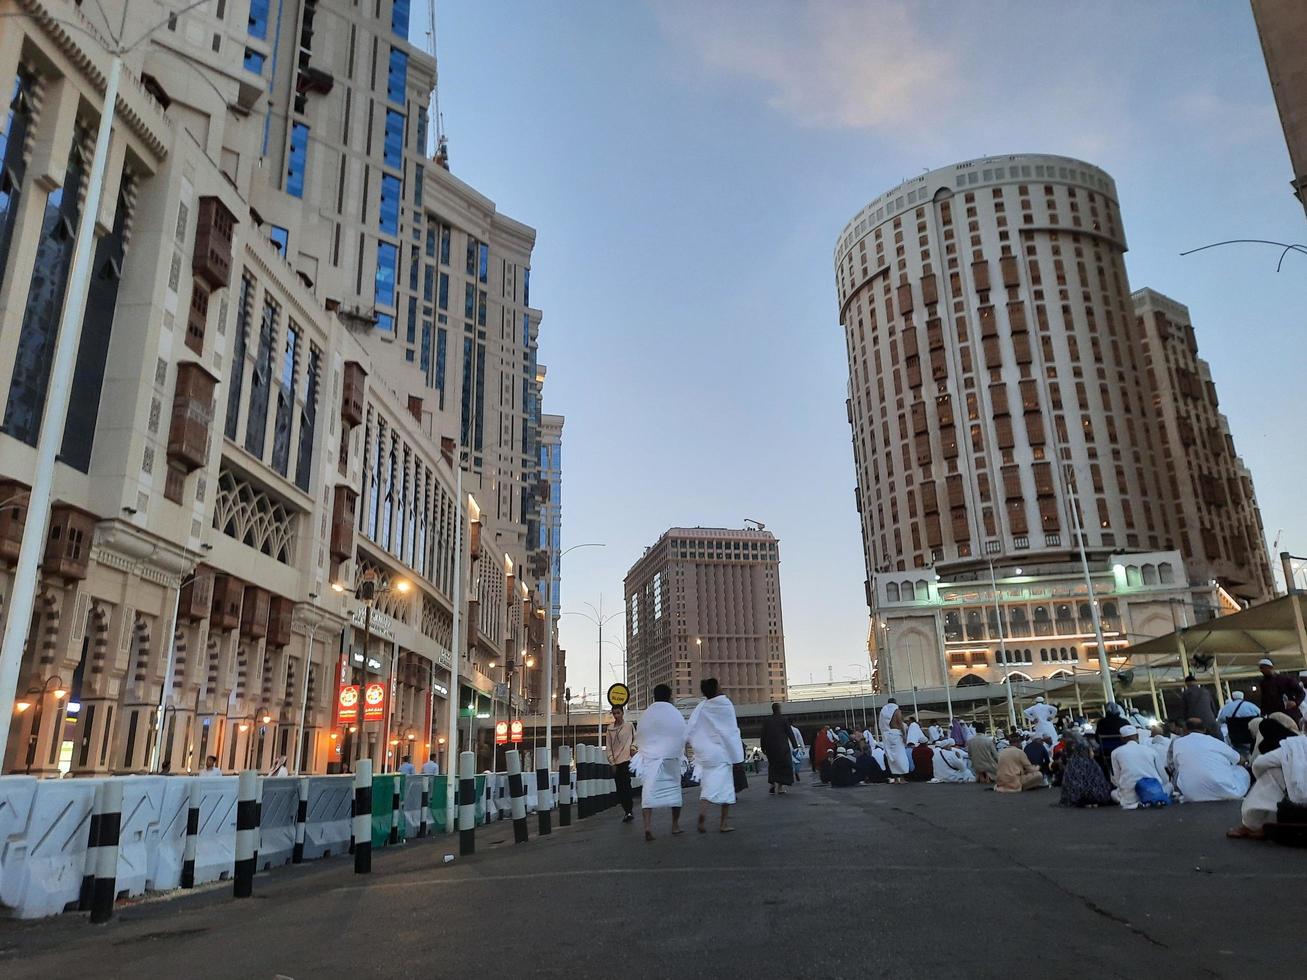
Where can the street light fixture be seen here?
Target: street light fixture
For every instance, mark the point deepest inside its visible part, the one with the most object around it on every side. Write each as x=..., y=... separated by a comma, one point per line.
x=36, y=695
x=549, y=644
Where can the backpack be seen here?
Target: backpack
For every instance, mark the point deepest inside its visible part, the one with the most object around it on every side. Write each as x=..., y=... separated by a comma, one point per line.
x=1151, y=793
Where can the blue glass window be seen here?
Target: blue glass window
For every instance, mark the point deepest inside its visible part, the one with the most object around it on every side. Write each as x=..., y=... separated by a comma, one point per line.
x=481, y=309
x=426, y=345
x=428, y=283
x=258, y=23
x=254, y=61
x=413, y=269
x=280, y=239
x=418, y=174
x=431, y=241
x=13, y=160
x=397, y=77
x=399, y=18
x=394, y=142
x=469, y=300
x=442, y=341
x=385, y=323
x=34, y=355
x=244, y=313
x=390, y=190
x=412, y=333
x=526, y=287
x=444, y=291
x=526, y=330
x=422, y=133
x=299, y=153
x=285, y=402
x=256, y=424
x=308, y=419
x=483, y=261
x=387, y=257
x=444, y=244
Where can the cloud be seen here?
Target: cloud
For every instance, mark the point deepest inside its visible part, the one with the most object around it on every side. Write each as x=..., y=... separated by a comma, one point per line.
x=823, y=64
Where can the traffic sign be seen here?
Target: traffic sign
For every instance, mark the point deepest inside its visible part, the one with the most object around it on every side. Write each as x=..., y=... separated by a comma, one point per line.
x=515, y=731
x=618, y=695
x=501, y=733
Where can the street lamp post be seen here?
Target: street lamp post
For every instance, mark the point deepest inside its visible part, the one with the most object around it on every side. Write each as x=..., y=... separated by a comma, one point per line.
x=549, y=648
x=860, y=668
x=36, y=696
x=599, y=619
x=1002, y=647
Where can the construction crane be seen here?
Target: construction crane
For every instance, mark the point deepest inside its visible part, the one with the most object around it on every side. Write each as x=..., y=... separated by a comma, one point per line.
x=442, y=144
x=757, y=525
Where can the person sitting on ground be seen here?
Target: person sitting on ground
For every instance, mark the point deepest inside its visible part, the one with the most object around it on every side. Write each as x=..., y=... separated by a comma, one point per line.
x=1132, y=762
x=843, y=771
x=1083, y=782
x=1108, y=731
x=1037, y=752
x=1159, y=743
x=951, y=764
x=827, y=767
x=869, y=770
x=1016, y=773
x=915, y=735
x=923, y=764
x=1281, y=772
x=1205, y=768
x=984, y=757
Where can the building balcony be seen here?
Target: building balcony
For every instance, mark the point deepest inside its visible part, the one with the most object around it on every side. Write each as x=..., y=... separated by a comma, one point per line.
x=68, y=545
x=216, y=226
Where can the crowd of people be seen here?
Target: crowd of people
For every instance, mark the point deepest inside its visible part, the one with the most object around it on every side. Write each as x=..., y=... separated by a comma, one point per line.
x=1249, y=751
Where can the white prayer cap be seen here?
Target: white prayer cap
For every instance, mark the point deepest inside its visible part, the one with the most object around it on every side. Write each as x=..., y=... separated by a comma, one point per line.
x=1237, y=695
x=947, y=742
x=1266, y=662
x=1128, y=730
x=1039, y=699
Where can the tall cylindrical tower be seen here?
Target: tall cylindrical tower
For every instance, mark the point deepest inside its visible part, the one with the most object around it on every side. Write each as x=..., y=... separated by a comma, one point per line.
x=993, y=373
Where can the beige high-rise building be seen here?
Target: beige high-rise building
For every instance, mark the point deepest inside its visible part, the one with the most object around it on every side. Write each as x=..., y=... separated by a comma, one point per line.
x=276, y=239
x=706, y=602
x=1282, y=26
x=1000, y=399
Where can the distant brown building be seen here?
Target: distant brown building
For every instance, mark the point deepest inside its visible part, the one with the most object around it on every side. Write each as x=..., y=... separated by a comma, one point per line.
x=706, y=602
x=1212, y=516
x=1282, y=26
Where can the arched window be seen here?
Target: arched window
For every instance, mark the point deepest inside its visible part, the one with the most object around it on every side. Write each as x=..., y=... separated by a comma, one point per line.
x=1150, y=575
x=1132, y=576
x=892, y=592
x=1018, y=623
x=1165, y=573
x=975, y=625
x=952, y=625
x=923, y=592
x=1043, y=655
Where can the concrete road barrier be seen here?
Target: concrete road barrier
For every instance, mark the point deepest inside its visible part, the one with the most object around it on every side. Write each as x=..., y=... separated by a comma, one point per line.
x=43, y=837
x=279, y=800
x=327, y=816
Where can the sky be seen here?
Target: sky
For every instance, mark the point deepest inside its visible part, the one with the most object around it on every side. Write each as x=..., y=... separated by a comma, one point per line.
x=688, y=167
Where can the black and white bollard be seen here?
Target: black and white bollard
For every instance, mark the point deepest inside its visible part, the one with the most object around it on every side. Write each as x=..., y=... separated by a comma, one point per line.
x=564, y=786
x=517, y=795
x=467, y=803
x=191, y=846
x=92, y=852
x=301, y=821
x=247, y=832
x=363, y=817
x=581, y=788
x=395, y=814
x=587, y=770
x=426, y=805
x=105, y=888
x=544, y=798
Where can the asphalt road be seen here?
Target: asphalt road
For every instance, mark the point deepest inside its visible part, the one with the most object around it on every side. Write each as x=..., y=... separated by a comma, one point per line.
x=871, y=881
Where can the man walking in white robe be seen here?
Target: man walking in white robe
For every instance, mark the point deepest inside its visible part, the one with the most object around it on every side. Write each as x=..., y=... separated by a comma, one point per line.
x=1206, y=768
x=1131, y=763
x=894, y=732
x=714, y=734
x=657, y=762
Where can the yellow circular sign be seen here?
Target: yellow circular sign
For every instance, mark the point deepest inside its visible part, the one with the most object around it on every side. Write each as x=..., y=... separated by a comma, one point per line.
x=618, y=695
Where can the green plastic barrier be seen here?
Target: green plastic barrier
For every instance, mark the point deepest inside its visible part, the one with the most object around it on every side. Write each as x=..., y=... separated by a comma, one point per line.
x=383, y=789
x=439, y=794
